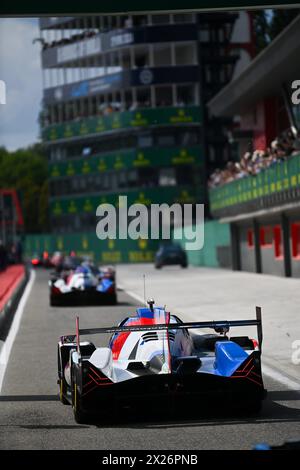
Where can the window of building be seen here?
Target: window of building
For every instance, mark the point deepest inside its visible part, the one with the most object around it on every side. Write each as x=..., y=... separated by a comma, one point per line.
x=295, y=236
x=184, y=175
x=106, y=181
x=188, y=137
x=132, y=178
x=160, y=19
x=183, y=18
x=145, y=140
x=167, y=177
x=126, y=21
x=166, y=139
x=140, y=20
x=93, y=105
x=128, y=99
x=185, y=54
x=186, y=95
x=148, y=177
x=163, y=96
x=162, y=55
x=143, y=96
x=125, y=58
x=98, y=182
x=82, y=184
x=75, y=185
x=208, y=74
x=204, y=35
x=122, y=179
x=141, y=56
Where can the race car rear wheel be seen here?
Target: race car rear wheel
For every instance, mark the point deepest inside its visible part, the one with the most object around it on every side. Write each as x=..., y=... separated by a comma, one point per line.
x=53, y=301
x=62, y=391
x=79, y=415
x=61, y=381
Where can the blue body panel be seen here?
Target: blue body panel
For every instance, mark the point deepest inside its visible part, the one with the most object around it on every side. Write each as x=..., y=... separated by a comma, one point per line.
x=229, y=356
x=104, y=285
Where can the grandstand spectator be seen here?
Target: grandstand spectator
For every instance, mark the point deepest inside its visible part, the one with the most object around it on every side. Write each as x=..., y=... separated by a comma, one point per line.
x=252, y=163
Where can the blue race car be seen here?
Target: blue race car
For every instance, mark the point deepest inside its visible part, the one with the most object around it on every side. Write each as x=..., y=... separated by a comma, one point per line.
x=152, y=362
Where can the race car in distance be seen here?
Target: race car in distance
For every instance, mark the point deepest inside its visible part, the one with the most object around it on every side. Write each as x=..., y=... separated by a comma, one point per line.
x=41, y=260
x=170, y=254
x=83, y=284
x=153, y=362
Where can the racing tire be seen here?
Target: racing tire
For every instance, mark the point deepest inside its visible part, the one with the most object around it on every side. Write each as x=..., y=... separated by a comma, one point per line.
x=62, y=390
x=61, y=382
x=80, y=416
x=158, y=266
x=53, y=302
x=184, y=265
x=113, y=299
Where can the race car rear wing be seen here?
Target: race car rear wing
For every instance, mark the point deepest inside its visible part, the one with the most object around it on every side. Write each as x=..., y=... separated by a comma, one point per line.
x=219, y=326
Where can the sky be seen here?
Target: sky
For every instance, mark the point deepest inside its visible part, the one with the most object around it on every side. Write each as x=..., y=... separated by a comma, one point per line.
x=20, y=68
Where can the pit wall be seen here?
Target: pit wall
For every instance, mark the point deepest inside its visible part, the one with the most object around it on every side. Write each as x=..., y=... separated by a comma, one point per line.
x=216, y=251
x=87, y=244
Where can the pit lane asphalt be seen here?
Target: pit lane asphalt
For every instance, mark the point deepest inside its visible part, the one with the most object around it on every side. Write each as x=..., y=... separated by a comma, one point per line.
x=31, y=417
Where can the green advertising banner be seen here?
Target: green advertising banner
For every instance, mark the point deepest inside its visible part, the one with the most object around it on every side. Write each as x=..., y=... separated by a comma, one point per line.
x=127, y=119
x=77, y=205
x=281, y=176
x=128, y=159
x=87, y=244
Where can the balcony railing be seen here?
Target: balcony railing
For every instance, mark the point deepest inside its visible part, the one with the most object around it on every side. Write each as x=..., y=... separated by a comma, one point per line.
x=140, y=118
x=88, y=204
x=274, y=186
x=123, y=160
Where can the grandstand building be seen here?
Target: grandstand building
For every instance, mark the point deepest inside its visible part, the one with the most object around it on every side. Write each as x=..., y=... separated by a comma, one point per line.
x=263, y=208
x=124, y=108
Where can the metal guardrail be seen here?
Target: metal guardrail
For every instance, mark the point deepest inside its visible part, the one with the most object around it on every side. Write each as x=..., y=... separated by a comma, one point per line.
x=7, y=313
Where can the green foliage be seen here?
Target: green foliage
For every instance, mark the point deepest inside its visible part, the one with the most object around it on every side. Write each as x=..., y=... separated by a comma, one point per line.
x=267, y=24
x=26, y=171
x=280, y=20
x=260, y=27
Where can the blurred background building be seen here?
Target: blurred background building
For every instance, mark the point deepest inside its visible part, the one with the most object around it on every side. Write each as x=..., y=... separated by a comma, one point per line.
x=259, y=193
x=124, y=108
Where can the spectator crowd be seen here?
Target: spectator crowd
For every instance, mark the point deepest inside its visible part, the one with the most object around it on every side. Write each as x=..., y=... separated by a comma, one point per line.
x=254, y=162
x=69, y=40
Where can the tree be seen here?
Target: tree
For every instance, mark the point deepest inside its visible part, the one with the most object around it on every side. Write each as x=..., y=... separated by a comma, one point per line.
x=267, y=24
x=26, y=171
x=280, y=20
x=260, y=28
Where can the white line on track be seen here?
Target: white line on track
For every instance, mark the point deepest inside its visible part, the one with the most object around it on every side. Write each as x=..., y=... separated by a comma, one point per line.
x=132, y=294
x=8, y=344
x=279, y=377
x=267, y=370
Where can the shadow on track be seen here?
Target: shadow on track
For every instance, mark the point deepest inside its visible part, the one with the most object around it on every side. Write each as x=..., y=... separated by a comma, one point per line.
x=12, y=398
x=272, y=412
